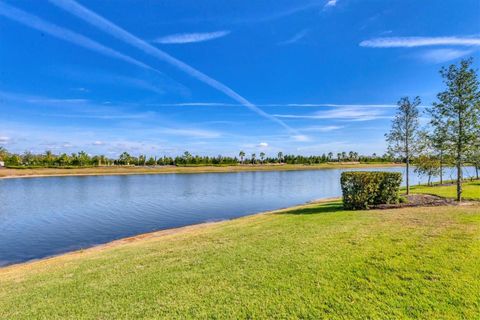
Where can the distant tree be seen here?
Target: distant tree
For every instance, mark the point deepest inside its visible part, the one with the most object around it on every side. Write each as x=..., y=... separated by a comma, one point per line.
x=339, y=156
x=49, y=157
x=142, y=159
x=475, y=157
x=3, y=154
x=403, y=137
x=14, y=160
x=151, y=161
x=427, y=166
x=280, y=156
x=28, y=158
x=241, y=154
x=253, y=157
x=439, y=142
x=330, y=156
x=351, y=155
x=124, y=158
x=458, y=111
x=262, y=156
x=63, y=159
x=83, y=158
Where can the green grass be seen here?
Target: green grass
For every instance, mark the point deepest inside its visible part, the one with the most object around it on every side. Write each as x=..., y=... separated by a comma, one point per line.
x=312, y=262
x=471, y=190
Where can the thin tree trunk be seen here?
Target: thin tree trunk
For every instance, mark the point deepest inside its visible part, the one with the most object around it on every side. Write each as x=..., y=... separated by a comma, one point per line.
x=407, y=178
x=459, y=158
x=441, y=167
x=459, y=181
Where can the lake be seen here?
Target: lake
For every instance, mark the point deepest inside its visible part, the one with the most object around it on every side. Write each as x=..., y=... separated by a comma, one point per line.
x=40, y=217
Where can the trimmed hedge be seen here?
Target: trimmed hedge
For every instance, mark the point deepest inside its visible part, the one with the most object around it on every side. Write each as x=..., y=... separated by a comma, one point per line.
x=362, y=189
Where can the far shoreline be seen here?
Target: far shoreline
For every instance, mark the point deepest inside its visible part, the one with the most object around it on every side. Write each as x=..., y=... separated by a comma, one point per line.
x=8, y=173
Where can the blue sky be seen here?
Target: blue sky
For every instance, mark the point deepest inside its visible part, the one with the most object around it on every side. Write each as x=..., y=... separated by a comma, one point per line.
x=215, y=77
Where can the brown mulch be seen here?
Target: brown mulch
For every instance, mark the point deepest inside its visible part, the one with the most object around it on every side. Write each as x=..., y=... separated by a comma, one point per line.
x=419, y=200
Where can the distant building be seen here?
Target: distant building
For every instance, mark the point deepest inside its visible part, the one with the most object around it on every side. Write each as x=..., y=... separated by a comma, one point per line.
x=2, y=164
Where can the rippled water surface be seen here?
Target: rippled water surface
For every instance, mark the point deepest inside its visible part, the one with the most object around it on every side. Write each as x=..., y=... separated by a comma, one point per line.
x=40, y=217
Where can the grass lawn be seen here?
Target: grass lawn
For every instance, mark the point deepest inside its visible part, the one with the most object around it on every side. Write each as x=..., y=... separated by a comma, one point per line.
x=315, y=261
x=471, y=190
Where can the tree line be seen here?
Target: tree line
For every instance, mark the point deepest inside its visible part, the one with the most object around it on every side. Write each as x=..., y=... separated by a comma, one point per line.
x=452, y=135
x=83, y=159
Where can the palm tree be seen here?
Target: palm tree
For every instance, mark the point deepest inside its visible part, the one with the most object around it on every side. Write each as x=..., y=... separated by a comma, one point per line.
x=49, y=157
x=330, y=156
x=280, y=156
x=241, y=154
x=262, y=156
x=253, y=157
x=351, y=155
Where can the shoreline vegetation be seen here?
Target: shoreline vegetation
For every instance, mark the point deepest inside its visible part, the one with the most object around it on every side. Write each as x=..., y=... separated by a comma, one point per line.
x=8, y=173
x=331, y=258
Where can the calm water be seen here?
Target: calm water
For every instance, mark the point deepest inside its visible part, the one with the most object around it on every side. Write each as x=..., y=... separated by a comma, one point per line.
x=40, y=217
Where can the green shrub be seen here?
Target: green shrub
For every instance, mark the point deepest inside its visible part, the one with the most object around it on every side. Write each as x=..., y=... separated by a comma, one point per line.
x=363, y=189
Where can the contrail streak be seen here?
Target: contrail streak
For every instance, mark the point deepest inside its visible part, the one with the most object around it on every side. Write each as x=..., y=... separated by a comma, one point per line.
x=105, y=25
x=36, y=23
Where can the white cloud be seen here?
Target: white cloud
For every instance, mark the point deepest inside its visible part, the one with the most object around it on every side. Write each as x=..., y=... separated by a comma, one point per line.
x=410, y=42
x=331, y=3
x=301, y=138
x=116, y=31
x=300, y=105
x=443, y=55
x=194, y=133
x=322, y=128
x=4, y=139
x=36, y=23
x=98, y=143
x=297, y=37
x=350, y=114
x=263, y=145
x=191, y=37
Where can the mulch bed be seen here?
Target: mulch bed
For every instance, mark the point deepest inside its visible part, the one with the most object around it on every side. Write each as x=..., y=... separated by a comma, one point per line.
x=419, y=200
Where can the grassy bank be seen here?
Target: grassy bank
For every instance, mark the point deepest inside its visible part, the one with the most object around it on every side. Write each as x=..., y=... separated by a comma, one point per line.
x=312, y=261
x=124, y=170
x=471, y=190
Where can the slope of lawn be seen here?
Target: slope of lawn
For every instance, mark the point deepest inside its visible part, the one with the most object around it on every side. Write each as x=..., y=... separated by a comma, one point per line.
x=471, y=190
x=315, y=261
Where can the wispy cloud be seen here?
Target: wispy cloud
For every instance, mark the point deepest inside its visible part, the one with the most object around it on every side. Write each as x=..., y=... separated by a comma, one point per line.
x=263, y=145
x=410, y=42
x=331, y=3
x=36, y=23
x=348, y=114
x=107, y=26
x=443, y=55
x=181, y=38
x=266, y=105
x=297, y=37
x=193, y=133
x=322, y=128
